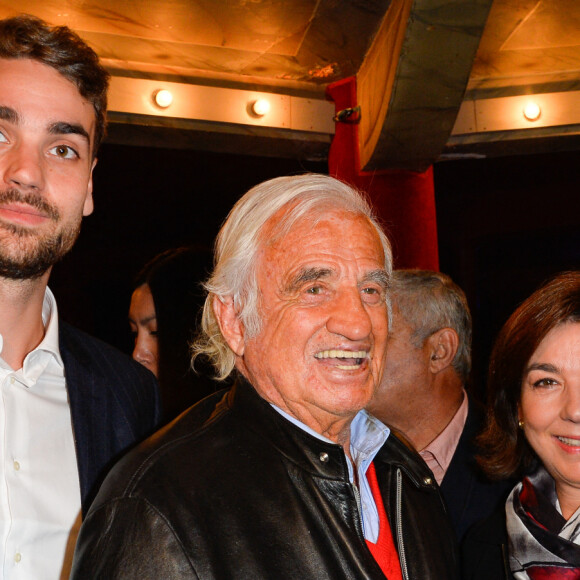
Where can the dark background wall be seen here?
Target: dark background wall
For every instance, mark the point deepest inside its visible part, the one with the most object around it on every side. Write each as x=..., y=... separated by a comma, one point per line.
x=504, y=225
x=148, y=200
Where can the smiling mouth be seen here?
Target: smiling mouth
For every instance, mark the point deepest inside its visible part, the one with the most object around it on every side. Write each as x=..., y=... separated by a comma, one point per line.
x=348, y=360
x=568, y=441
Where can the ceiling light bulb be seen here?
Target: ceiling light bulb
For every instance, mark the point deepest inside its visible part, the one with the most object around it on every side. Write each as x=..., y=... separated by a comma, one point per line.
x=532, y=111
x=163, y=98
x=261, y=107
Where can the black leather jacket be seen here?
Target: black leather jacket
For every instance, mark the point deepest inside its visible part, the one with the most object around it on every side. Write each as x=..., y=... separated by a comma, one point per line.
x=235, y=491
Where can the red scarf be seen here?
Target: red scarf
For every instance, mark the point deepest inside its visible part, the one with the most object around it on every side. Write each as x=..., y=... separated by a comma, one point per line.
x=384, y=551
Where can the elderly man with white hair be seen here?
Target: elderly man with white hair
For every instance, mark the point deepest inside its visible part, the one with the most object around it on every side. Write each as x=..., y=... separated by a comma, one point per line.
x=284, y=476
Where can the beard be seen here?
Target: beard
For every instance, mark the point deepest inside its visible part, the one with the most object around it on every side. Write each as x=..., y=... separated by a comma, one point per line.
x=26, y=254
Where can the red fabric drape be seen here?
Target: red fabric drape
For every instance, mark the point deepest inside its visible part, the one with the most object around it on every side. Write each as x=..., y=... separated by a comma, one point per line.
x=404, y=200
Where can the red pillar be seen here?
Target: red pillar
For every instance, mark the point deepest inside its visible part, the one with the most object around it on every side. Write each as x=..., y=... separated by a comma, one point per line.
x=404, y=200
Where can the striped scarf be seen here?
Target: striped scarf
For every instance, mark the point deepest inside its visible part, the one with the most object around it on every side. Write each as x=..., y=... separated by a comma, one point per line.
x=542, y=544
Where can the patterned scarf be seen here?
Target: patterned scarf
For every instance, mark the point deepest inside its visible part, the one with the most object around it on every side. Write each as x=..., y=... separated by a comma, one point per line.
x=542, y=544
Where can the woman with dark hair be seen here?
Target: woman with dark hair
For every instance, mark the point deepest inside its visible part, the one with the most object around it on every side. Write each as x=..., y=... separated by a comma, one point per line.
x=533, y=432
x=164, y=312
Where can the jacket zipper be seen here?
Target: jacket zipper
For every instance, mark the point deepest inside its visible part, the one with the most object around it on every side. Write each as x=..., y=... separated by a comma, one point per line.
x=399, y=523
x=359, y=507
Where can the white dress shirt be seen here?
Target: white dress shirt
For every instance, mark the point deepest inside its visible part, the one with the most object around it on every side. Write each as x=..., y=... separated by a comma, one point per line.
x=40, y=500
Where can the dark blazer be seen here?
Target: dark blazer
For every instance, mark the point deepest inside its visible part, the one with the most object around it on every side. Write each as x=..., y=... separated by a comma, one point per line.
x=484, y=551
x=469, y=496
x=114, y=404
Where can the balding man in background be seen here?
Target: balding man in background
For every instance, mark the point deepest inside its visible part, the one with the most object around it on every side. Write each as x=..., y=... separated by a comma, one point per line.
x=423, y=395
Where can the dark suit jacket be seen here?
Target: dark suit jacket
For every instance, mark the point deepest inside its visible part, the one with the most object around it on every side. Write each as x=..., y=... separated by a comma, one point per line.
x=484, y=551
x=469, y=496
x=114, y=404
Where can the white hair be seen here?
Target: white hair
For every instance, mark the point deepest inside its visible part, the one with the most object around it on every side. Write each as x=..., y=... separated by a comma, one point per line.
x=237, y=244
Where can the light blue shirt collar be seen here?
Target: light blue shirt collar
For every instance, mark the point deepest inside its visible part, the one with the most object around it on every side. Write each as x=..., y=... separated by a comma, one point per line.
x=367, y=436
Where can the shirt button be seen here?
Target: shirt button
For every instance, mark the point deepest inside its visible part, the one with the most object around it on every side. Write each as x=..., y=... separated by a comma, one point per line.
x=324, y=457
x=12, y=380
x=16, y=466
x=17, y=557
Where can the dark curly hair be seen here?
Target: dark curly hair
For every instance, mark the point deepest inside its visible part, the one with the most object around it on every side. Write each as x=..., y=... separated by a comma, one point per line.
x=505, y=450
x=59, y=47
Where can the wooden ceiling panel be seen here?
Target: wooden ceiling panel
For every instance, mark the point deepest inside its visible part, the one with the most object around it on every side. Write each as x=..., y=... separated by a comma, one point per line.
x=298, y=47
x=243, y=25
x=277, y=41
x=550, y=24
x=527, y=43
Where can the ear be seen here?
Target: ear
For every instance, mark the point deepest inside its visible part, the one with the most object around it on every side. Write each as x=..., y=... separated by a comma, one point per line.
x=89, y=205
x=230, y=324
x=443, y=346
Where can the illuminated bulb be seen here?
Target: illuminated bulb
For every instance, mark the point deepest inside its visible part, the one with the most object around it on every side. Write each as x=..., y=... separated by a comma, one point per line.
x=532, y=111
x=261, y=107
x=163, y=98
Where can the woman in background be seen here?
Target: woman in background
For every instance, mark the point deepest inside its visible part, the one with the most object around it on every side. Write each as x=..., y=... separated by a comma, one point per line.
x=164, y=311
x=533, y=432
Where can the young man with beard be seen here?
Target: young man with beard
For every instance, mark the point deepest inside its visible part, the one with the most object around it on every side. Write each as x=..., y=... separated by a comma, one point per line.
x=70, y=404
